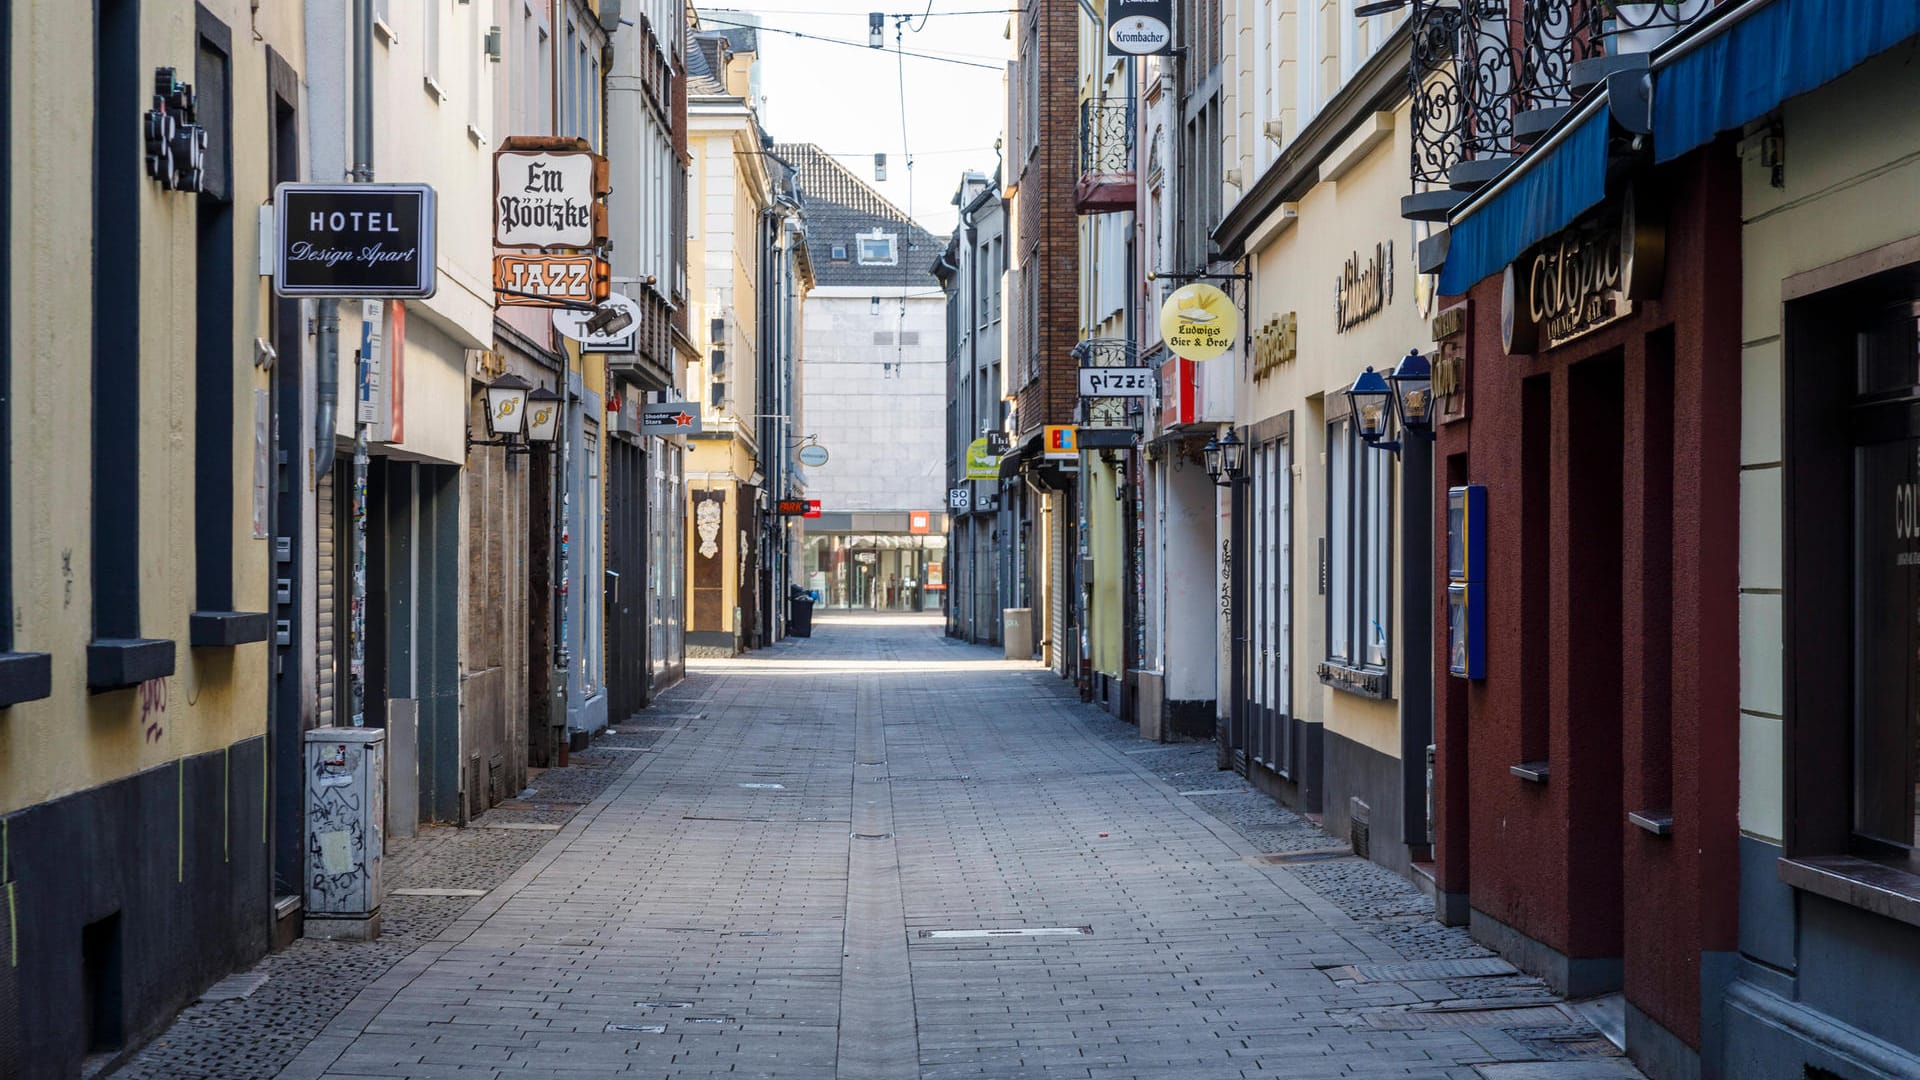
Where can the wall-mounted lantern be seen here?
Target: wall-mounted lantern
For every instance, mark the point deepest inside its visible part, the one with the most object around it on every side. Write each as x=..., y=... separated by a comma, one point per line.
x=1225, y=457
x=543, y=415
x=1405, y=396
x=507, y=406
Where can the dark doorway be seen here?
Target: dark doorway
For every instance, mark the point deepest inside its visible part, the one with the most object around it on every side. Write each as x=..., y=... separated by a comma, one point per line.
x=102, y=986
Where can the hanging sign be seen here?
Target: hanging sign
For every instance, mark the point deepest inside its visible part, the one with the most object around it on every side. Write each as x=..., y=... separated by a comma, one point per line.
x=813, y=455
x=1116, y=382
x=982, y=462
x=668, y=418
x=612, y=334
x=1061, y=443
x=549, y=198
x=542, y=280
x=1199, y=322
x=354, y=240
x=959, y=498
x=1139, y=27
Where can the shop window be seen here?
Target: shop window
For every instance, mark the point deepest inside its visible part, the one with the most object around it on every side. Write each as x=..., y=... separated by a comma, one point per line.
x=1851, y=620
x=1359, y=551
x=1886, y=586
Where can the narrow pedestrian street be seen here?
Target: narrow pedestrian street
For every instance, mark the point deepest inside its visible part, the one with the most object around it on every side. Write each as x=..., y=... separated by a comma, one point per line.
x=882, y=853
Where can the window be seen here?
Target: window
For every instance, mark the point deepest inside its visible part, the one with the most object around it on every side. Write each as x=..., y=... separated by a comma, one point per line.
x=877, y=249
x=1359, y=551
x=476, y=64
x=839, y=253
x=430, y=44
x=995, y=274
x=122, y=94
x=982, y=271
x=592, y=614
x=213, y=331
x=1886, y=586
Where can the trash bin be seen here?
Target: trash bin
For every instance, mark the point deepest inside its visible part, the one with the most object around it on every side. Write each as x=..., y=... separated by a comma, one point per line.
x=799, y=613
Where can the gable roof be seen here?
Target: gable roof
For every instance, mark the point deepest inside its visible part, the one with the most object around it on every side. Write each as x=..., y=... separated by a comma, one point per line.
x=703, y=52
x=840, y=207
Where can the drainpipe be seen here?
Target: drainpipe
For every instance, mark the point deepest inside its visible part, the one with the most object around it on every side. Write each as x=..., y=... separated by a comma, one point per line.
x=362, y=173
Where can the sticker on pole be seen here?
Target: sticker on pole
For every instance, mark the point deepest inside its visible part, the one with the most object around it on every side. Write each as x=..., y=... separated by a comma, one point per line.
x=1199, y=322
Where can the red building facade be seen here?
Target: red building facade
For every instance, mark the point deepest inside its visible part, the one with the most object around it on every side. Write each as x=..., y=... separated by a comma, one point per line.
x=1587, y=788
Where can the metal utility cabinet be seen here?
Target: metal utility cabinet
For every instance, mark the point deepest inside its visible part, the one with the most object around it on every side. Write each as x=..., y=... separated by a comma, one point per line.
x=346, y=770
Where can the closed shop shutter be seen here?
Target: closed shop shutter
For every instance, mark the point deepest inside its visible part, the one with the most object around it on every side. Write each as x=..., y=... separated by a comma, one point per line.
x=323, y=640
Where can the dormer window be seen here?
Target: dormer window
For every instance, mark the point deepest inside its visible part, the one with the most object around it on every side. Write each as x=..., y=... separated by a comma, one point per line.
x=877, y=249
x=839, y=253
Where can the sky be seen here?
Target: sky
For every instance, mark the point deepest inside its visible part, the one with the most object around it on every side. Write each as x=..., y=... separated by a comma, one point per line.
x=848, y=99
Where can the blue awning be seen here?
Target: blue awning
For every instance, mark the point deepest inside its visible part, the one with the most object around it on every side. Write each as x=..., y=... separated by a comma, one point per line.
x=1538, y=197
x=1746, y=68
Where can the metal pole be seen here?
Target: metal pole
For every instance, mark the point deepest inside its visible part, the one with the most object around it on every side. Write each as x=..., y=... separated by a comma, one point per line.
x=361, y=173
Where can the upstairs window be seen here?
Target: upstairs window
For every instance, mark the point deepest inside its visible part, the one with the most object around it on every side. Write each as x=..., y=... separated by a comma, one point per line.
x=877, y=249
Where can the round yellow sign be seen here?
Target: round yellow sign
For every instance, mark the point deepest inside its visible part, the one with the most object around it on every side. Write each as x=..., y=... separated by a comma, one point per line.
x=1199, y=322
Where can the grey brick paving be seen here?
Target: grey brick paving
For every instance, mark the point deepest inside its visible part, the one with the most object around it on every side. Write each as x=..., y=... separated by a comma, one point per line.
x=755, y=890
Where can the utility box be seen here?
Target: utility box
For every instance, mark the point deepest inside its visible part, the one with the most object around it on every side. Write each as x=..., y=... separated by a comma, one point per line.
x=346, y=831
x=1017, y=632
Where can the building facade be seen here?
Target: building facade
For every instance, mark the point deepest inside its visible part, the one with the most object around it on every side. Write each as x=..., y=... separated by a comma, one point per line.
x=873, y=385
x=972, y=270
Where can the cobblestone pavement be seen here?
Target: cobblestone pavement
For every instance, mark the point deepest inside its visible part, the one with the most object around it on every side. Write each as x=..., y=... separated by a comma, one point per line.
x=291, y=996
x=880, y=853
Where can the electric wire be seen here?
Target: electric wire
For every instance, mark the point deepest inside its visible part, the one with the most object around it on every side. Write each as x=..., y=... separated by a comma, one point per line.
x=948, y=59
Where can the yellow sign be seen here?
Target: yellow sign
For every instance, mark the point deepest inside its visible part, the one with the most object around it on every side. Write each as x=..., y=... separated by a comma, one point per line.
x=1061, y=443
x=1199, y=322
x=980, y=464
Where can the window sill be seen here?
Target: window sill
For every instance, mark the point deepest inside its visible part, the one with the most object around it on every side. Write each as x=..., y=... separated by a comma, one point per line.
x=1361, y=682
x=223, y=629
x=1657, y=822
x=475, y=134
x=1862, y=883
x=1533, y=772
x=384, y=32
x=118, y=663
x=433, y=88
x=25, y=676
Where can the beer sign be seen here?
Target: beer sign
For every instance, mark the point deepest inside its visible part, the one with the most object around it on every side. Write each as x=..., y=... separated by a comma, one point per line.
x=1199, y=322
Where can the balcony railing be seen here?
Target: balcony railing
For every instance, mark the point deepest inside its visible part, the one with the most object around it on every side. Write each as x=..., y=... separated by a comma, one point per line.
x=1106, y=182
x=1486, y=83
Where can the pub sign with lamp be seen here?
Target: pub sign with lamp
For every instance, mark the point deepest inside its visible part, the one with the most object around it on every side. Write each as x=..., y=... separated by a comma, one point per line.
x=1467, y=581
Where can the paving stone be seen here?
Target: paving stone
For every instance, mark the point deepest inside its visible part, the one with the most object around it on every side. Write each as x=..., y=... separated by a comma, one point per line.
x=752, y=896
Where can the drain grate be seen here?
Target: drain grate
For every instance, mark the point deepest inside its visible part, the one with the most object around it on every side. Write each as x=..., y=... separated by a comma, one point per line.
x=235, y=987
x=639, y=1029
x=1420, y=971
x=765, y=787
x=923, y=779
x=436, y=892
x=1029, y=931
x=1423, y=1019
x=699, y=817
x=1311, y=855
x=873, y=836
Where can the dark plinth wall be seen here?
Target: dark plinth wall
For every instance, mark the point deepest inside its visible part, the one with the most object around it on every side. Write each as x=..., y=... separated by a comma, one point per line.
x=1612, y=471
x=170, y=869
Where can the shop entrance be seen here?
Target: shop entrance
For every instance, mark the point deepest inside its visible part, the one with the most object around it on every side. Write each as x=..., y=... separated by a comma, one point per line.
x=876, y=571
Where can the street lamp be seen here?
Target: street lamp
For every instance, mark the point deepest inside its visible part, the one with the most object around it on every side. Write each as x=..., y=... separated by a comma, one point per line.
x=543, y=415
x=1378, y=399
x=507, y=405
x=1225, y=457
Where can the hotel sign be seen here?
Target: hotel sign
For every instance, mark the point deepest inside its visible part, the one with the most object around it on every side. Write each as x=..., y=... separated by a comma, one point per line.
x=1581, y=280
x=354, y=240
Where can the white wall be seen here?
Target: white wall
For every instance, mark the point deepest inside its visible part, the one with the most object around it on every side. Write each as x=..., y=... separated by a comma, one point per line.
x=885, y=430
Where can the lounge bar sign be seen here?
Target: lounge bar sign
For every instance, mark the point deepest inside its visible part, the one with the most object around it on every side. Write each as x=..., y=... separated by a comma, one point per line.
x=354, y=240
x=1139, y=27
x=1582, y=279
x=1363, y=289
x=549, y=198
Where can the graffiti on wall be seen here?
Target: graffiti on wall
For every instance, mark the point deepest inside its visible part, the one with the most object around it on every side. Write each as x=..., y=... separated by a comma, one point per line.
x=153, y=708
